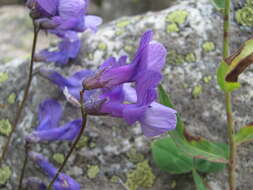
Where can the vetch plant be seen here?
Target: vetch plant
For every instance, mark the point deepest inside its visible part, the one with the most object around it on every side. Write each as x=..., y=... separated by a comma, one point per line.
x=124, y=88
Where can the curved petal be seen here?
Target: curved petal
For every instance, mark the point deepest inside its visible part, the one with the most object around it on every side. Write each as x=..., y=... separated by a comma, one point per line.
x=67, y=132
x=50, y=6
x=92, y=22
x=63, y=182
x=158, y=119
x=50, y=113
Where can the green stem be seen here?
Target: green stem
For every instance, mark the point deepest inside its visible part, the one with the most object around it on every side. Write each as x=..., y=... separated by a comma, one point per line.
x=84, y=120
x=26, y=94
x=230, y=122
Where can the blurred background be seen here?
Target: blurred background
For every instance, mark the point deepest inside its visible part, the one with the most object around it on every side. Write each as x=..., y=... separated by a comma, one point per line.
x=16, y=26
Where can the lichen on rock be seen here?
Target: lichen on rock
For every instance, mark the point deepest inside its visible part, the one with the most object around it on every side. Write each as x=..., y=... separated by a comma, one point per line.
x=93, y=171
x=208, y=46
x=58, y=158
x=142, y=176
x=11, y=98
x=3, y=77
x=5, y=127
x=5, y=174
x=177, y=17
x=244, y=16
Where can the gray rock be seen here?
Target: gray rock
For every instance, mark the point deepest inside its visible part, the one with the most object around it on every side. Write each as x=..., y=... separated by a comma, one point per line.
x=194, y=53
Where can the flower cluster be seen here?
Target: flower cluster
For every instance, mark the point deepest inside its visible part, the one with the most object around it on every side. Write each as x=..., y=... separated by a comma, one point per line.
x=64, y=18
x=63, y=182
x=124, y=90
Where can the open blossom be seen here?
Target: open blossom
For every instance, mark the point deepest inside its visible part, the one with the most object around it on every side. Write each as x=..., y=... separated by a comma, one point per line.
x=64, y=18
x=50, y=113
x=149, y=60
x=63, y=182
x=114, y=94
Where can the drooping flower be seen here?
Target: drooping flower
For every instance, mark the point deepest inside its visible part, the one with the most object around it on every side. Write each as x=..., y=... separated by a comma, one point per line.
x=63, y=18
x=63, y=182
x=145, y=74
x=149, y=60
x=50, y=113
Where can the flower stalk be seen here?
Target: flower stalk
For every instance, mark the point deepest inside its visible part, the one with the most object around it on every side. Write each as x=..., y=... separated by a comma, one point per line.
x=230, y=122
x=26, y=93
x=84, y=121
x=27, y=149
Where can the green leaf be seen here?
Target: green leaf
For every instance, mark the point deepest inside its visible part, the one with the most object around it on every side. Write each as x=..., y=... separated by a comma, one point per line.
x=222, y=72
x=219, y=4
x=239, y=60
x=198, y=181
x=244, y=135
x=195, y=151
x=214, y=147
x=169, y=158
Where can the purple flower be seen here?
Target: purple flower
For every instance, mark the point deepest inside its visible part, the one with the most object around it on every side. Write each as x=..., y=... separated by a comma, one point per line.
x=63, y=182
x=63, y=18
x=149, y=60
x=63, y=14
x=50, y=113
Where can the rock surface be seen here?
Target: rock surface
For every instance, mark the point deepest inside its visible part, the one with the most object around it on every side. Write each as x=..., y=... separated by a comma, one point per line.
x=191, y=31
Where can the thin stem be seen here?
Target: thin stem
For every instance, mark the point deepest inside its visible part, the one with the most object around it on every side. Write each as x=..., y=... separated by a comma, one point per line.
x=84, y=120
x=27, y=148
x=230, y=122
x=26, y=94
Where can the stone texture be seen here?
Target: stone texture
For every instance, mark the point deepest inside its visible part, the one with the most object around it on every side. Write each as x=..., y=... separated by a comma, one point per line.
x=109, y=140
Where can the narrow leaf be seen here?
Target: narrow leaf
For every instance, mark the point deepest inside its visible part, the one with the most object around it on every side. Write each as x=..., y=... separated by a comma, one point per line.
x=198, y=181
x=169, y=158
x=222, y=72
x=245, y=135
x=239, y=61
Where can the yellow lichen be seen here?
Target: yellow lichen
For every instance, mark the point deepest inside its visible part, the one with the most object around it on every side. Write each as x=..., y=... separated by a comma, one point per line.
x=134, y=156
x=93, y=171
x=172, y=28
x=142, y=176
x=197, y=90
x=3, y=77
x=58, y=158
x=11, y=98
x=5, y=127
x=208, y=46
x=177, y=17
x=5, y=174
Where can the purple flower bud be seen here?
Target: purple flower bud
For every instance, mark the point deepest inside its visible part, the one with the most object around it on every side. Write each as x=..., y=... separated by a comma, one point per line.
x=34, y=183
x=63, y=182
x=50, y=113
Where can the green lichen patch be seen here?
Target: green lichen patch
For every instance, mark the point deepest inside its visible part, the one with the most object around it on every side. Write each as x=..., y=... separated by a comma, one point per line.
x=123, y=23
x=178, y=17
x=102, y=46
x=3, y=77
x=197, y=90
x=93, y=171
x=119, y=32
x=5, y=174
x=172, y=28
x=5, y=127
x=249, y=3
x=83, y=142
x=174, y=58
x=208, y=46
x=58, y=158
x=244, y=16
x=207, y=79
x=134, y=156
x=115, y=179
x=142, y=176
x=190, y=58
x=11, y=98
x=173, y=184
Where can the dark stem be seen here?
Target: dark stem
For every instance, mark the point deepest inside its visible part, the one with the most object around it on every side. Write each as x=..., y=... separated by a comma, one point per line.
x=84, y=120
x=26, y=94
x=230, y=122
x=27, y=149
